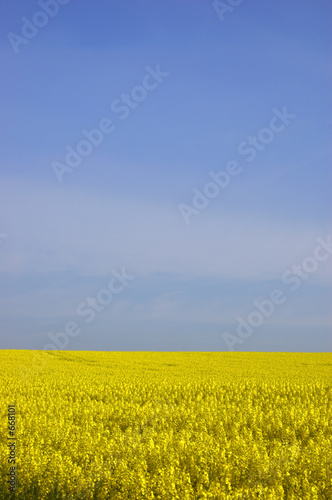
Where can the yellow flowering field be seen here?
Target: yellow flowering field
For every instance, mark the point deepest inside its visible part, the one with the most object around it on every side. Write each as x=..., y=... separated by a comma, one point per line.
x=148, y=425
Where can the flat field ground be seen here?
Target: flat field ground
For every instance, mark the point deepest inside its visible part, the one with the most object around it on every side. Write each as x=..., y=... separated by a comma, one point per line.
x=182, y=425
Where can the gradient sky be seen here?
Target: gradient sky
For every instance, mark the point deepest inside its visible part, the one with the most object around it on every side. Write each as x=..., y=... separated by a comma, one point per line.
x=223, y=80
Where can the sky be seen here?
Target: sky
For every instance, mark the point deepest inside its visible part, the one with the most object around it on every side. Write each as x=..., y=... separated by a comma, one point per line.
x=165, y=175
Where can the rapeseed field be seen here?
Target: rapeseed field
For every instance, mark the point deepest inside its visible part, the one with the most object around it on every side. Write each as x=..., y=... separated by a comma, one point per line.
x=147, y=425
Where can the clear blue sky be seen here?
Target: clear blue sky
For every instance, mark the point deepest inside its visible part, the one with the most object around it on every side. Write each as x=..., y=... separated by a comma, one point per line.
x=179, y=91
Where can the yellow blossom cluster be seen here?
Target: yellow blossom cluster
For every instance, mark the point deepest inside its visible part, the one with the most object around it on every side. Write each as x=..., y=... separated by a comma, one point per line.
x=167, y=426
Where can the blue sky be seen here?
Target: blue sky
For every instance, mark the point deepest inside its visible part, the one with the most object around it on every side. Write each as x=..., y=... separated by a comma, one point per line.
x=198, y=86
